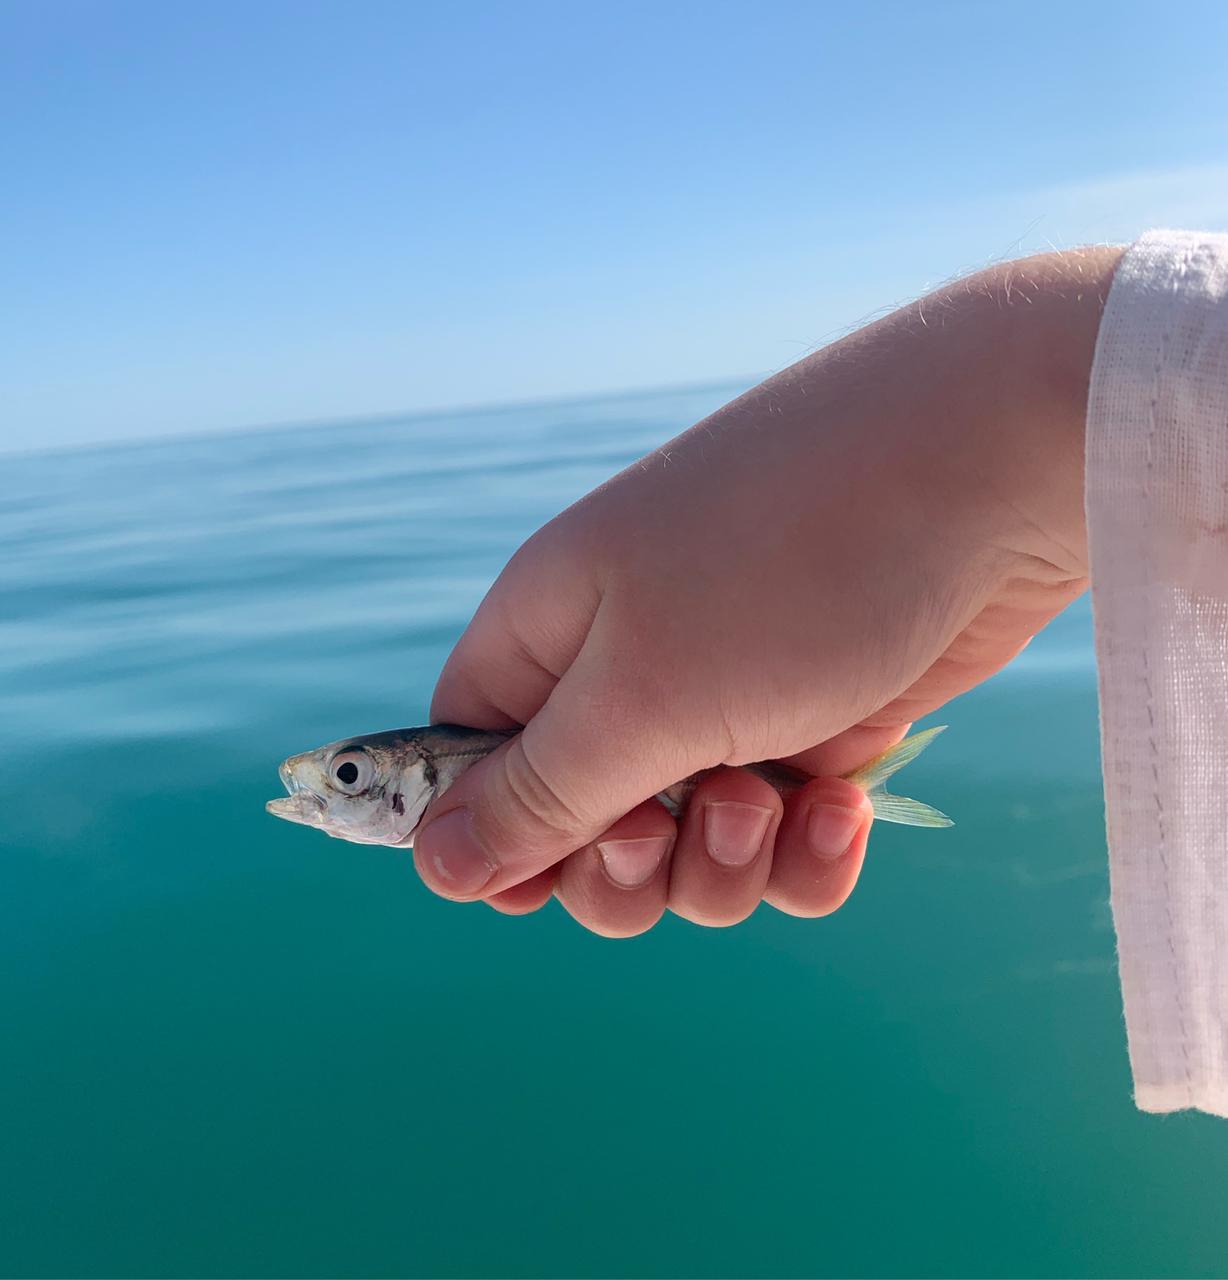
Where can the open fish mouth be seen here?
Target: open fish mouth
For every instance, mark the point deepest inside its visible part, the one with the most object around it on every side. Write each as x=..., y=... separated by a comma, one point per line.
x=301, y=805
x=304, y=806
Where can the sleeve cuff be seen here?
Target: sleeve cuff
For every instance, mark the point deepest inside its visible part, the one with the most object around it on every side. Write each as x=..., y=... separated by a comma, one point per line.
x=1157, y=520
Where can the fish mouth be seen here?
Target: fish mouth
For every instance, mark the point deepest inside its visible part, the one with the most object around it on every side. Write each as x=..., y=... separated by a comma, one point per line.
x=300, y=805
x=304, y=806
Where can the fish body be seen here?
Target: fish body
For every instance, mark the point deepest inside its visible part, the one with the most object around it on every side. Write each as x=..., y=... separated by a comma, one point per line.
x=375, y=789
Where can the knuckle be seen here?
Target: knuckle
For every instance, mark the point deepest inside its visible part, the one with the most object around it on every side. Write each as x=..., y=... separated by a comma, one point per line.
x=535, y=801
x=713, y=917
x=617, y=930
x=602, y=909
x=807, y=903
x=605, y=923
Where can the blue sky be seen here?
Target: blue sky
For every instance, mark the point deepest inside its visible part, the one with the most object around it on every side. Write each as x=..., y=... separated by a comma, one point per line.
x=221, y=214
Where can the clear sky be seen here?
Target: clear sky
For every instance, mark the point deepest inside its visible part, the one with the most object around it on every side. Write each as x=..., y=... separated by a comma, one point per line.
x=219, y=214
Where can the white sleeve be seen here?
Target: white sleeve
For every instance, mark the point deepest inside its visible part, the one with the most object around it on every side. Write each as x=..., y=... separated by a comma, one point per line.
x=1157, y=519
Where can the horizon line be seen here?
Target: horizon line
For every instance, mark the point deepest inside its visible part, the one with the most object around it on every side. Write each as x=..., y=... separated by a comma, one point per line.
x=390, y=415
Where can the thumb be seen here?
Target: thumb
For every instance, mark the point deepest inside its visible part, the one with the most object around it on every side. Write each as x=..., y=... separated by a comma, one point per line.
x=581, y=763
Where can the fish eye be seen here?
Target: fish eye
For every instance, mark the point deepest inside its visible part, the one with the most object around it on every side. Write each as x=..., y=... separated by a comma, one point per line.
x=351, y=771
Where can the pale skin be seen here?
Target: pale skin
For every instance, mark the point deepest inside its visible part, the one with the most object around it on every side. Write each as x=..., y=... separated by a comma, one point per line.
x=798, y=577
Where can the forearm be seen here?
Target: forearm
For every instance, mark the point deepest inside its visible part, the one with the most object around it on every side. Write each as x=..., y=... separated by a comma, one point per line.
x=835, y=554
x=981, y=384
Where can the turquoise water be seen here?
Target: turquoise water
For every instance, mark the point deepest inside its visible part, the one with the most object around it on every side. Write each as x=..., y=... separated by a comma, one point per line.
x=234, y=1047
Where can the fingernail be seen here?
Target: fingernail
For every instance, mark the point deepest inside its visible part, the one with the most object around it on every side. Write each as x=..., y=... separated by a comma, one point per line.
x=733, y=833
x=631, y=863
x=450, y=847
x=830, y=829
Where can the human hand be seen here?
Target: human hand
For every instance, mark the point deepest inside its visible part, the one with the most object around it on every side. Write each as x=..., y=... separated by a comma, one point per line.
x=840, y=551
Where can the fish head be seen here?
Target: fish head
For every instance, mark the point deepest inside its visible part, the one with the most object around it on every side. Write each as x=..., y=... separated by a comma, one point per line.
x=369, y=791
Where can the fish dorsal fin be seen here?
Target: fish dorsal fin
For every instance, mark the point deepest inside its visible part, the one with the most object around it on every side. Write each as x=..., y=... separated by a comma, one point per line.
x=875, y=772
x=910, y=813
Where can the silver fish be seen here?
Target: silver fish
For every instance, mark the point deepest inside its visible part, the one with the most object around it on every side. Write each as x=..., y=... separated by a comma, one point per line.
x=375, y=789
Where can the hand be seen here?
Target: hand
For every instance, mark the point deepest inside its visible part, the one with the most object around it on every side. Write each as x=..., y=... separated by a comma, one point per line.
x=840, y=551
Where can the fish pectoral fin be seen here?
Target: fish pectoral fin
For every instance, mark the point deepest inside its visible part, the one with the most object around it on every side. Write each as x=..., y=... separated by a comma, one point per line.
x=909, y=813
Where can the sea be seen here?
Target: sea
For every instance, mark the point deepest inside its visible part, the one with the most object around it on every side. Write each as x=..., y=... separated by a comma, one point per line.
x=234, y=1047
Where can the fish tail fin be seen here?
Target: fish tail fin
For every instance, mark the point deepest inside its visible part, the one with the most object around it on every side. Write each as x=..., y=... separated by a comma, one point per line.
x=911, y=813
x=875, y=772
x=890, y=808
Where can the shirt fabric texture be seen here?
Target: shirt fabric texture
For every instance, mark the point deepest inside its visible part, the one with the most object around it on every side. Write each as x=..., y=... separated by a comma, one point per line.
x=1157, y=518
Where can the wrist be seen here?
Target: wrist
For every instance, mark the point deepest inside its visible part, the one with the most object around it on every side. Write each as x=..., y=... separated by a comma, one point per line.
x=1037, y=321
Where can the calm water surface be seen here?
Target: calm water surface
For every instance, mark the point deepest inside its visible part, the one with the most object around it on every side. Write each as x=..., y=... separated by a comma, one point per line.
x=231, y=1046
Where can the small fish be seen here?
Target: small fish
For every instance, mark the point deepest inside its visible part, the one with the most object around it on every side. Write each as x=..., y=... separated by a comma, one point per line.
x=375, y=789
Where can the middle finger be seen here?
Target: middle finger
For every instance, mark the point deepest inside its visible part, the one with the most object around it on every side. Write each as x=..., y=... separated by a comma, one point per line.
x=723, y=856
